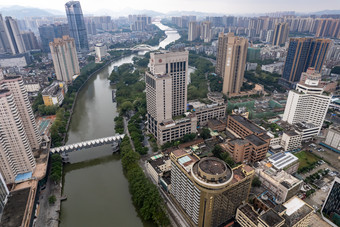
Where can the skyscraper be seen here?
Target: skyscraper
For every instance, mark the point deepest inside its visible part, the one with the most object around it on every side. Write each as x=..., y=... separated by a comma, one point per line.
x=208, y=190
x=280, y=34
x=16, y=86
x=328, y=27
x=51, y=31
x=307, y=104
x=193, y=31
x=206, y=31
x=302, y=54
x=65, y=58
x=11, y=39
x=231, y=61
x=331, y=208
x=15, y=151
x=166, y=96
x=5, y=47
x=30, y=40
x=3, y=193
x=77, y=25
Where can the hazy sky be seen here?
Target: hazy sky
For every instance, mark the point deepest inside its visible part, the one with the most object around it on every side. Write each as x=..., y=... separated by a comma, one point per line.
x=217, y=6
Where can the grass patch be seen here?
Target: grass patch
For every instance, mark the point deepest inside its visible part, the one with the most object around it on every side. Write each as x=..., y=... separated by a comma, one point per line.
x=307, y=161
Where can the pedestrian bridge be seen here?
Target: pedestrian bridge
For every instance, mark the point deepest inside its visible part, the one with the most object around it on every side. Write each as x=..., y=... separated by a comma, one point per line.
x=87, y=144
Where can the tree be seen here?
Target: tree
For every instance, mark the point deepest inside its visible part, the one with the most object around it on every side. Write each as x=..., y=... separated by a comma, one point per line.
x=52, y=199
x=256, y=182
x=217, y=151
x=205, y=134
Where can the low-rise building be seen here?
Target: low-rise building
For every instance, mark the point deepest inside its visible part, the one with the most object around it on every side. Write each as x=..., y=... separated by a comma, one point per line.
x=282, y=184
x=333, y=139
x=291, y=140
x=273, y=68
x=293, y=213
x=284, y=161
x=101, y=51
x=54, y=94
x=205, y=112
x=217, y=125
x=157, y=165
x=32, y=87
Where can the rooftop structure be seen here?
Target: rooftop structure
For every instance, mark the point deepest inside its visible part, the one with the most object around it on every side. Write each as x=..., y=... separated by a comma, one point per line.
x=54, y=94
x=285, y=161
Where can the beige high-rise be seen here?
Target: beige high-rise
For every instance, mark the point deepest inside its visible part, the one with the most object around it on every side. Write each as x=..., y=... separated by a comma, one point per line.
x=15, y=151
x=193, y=31
x=65, y=58
x=281, y=33
x=206, y=31
x=231, y=60
x=16, y=86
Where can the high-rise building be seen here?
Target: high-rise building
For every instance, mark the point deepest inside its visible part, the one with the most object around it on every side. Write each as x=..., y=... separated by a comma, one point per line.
x=206, y=31
x=331, y=208
x=11, y=39
x=101, y=51
x=231, y=61
x=77, y=25
x=51, y=31
x=16, y=86
x=193, y=32
x=65, y=58
x=139, y=22
x=15, y=151
x=206, y=190
x=270, y=34
x=328, y=28
x=166, y=96
x=3, y=193
x=281, y=33
x=5, y=47
x=302, y=54
x=306, y=104
x=30, y=40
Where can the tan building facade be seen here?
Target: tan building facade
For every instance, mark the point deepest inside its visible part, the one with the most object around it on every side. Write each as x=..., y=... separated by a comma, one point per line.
x=15, y=150
x=16, y=86
x=206, y=190
x=281, y=33
x=65, y=60
x=231, y=61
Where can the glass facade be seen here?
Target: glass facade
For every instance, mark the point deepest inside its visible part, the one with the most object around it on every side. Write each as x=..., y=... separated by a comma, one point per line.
x=77, y=25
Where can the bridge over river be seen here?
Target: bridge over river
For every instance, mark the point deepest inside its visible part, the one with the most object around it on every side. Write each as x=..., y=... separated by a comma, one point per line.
x=87, y=144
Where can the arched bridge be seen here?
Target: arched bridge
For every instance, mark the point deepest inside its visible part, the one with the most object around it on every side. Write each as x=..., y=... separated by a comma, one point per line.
x=87, y=144
x=142, y=47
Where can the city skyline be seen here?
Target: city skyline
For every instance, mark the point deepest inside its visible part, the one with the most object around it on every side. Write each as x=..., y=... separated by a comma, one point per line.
x=214, y=6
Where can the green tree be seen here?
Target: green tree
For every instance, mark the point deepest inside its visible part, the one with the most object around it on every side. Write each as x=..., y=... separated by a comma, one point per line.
x=52, y=199
x=256, y=182
x=205, y=134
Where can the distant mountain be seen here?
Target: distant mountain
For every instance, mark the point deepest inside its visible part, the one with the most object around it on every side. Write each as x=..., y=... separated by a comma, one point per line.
x=22, y=12
x=333, y=11
x=125, y=12
x=194, y=13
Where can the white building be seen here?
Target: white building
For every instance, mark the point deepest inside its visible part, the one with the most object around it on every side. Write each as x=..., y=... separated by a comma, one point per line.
x=307, y=104
x=291, y=140
x=333, y=138
x=101, y=51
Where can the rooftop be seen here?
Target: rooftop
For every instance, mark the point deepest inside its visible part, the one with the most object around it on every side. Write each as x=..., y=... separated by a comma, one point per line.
x=238, y=141
x=157, y=162
x=282, y=160
x=249, y=212
x=212, y=166
x=248, y=124
x=271, y=218
x=14, y=210
x=296, y=210
x=255, y=140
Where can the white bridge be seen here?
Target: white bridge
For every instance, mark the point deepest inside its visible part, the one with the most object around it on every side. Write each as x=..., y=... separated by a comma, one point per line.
x=87, y=144
x=143, y=47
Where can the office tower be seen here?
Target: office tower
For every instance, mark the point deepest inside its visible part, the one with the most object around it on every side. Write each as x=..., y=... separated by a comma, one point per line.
x=3, y=193
x=77, y=25
x=13, y=43
x=206, y=31
x=16, y=86
x=206, y=190
x=231, y=61
x=65, y=58
x=331, y=208
x=328, y=28
x=302, y=54
x=306, y=104
x=15, y=151
x=194, y=31
x=30, y=40
x=51, y=31
x=91, y=28
x=166, y=96
x=5, y=47
x=280, y=34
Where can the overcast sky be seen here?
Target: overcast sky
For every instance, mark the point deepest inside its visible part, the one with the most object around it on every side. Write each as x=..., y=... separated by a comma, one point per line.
x=213, y=6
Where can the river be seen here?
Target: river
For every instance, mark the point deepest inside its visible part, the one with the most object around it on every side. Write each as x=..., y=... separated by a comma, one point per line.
x=96, y=189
